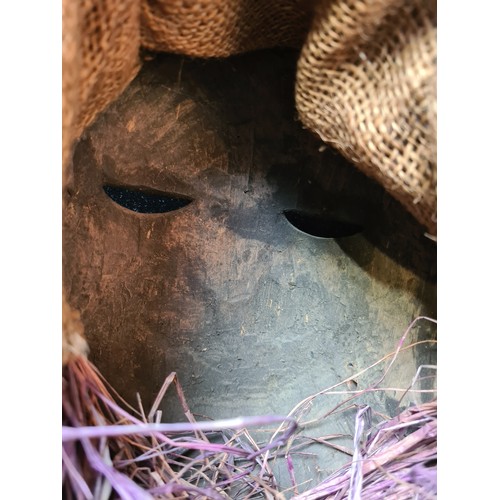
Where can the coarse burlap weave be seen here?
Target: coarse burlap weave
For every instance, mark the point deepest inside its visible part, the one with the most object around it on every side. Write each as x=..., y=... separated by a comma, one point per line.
x=365, y=83
x=100, y=56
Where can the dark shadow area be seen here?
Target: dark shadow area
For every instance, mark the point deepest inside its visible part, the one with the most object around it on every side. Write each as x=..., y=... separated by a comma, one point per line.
x=321, y=225
x=315, y=179
x=336, y=189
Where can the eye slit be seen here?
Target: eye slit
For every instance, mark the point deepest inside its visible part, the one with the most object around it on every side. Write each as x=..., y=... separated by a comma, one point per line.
x=144, y=200
x=321, y=225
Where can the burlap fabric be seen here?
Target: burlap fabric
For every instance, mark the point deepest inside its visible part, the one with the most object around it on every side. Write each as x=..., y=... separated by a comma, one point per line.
x=366, y=83
x=73, y=342
x=219, y=28
x=365, y=77
x=100, y=57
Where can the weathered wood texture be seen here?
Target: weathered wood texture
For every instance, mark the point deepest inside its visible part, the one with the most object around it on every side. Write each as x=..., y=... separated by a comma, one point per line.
x=252, y=314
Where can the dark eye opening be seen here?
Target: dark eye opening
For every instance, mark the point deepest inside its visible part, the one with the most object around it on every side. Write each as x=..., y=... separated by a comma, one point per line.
x=321, y=225
x=145, y=200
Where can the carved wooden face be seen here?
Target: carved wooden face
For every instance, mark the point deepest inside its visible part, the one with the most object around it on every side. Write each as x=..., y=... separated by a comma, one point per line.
x=181, y=253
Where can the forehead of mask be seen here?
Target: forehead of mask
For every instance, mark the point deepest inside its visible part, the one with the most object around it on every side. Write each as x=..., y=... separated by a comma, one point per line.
x=251, y=312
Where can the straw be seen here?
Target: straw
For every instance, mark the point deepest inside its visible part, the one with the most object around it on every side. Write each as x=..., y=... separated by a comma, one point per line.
x=110, y=448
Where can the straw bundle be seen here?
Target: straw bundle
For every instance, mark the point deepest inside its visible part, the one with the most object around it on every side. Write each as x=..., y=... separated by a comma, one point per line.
x=110, y=447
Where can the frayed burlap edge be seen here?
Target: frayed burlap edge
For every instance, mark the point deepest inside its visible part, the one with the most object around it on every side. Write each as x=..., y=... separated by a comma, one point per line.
x=73, y=342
